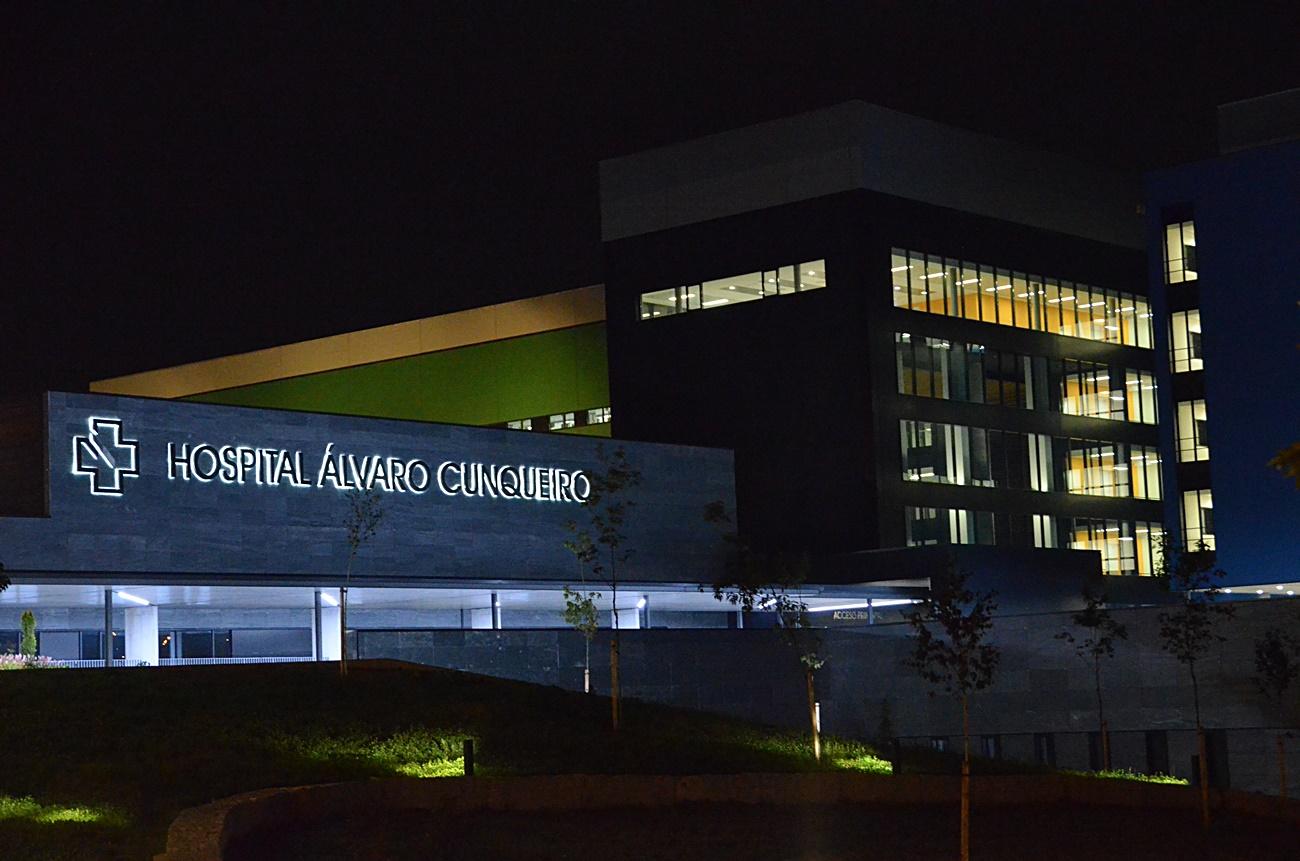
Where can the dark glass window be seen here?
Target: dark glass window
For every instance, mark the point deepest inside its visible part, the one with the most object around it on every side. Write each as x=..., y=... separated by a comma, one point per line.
x=1157, y=744
x=196, y=644
x=1045, y=748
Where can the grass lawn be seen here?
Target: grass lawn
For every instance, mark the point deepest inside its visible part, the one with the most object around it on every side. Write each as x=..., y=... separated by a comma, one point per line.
x=96, y=763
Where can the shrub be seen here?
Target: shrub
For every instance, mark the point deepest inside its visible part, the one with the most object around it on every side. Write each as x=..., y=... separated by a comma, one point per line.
x=27, y=647
x=10, y=661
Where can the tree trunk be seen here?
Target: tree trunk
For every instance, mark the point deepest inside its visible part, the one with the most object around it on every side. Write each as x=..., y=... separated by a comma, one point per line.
x=613, y=643
x=1204, y=769
x=1281, y=765
x=1203, y=765
x=812, y=715
x=965, y=779
x=343, y=630
x=613, y=675
x=1101, y=717
x=586, y=667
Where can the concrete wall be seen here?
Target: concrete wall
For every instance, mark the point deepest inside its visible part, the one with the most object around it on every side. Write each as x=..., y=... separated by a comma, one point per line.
x=857, y=145
x=1041, y=686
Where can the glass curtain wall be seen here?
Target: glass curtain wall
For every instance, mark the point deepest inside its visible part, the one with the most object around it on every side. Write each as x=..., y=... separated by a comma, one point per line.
x=972, y=373
x=941, y=453
x=926, y=526
x=977, y=291
x=734, y=289
x=1127, y=547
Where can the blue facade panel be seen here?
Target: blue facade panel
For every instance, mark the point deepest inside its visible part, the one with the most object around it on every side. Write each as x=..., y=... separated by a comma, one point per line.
x=1246, y=208
x=162, y=491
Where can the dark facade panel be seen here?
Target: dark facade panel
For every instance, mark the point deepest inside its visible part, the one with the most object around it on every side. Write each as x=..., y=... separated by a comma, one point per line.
x=803, y=386
x=22, y=460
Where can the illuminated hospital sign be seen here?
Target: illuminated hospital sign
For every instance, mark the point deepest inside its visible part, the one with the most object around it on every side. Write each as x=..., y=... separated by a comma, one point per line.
x=106, y=457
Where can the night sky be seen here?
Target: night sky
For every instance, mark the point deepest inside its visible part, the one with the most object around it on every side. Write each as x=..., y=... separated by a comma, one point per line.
x=183, y=181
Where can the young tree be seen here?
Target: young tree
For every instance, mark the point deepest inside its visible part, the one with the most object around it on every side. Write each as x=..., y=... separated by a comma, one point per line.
x=769, y=582
x=580, y=605
x=1277, y=665
x=1189, y=629
x=1100, y=631
x=580, y=612
x=27, y=645
x=365, y=513
x=607, y=507
x=949, y=632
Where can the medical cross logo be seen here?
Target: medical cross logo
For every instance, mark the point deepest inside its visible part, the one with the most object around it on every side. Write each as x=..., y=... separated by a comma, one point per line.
x=105, y=455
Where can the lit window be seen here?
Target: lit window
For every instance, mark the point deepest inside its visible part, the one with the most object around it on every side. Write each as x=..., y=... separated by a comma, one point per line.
x=1149, y=539
x=926, y=526
x=1045, y=531
x=1180, y=252
x=1126, y=546
x=1140, y=396
x=1144, y=471
x=1095, y=469
x=598, y=416
x=734, y=289
x=944, y=454
x=976, y=291
x=1198, y=519
x=1086, y=390
x=521, y=424
x=1185, y=341
x=561, y=421
x=1193, y=433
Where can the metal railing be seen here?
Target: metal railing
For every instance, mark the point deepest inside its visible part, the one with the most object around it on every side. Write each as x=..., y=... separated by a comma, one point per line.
x=91, y=663
x=1238, y=757
x=98, y=663
x=197, y=662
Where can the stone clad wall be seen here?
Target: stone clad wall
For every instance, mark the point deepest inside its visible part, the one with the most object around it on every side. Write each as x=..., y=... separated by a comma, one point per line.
x=1041, y=686
x=165, y=526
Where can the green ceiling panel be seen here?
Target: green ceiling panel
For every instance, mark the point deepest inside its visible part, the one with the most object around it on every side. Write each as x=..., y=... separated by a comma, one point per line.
x=533, y=375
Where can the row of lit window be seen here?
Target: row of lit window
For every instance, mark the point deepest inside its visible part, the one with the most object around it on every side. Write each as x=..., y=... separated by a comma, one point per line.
x=751, y=286
x=941, y=453
x=975, y=291
x=1185, y=354
x=562, y=421
x=1126, y=546
x=951, y=370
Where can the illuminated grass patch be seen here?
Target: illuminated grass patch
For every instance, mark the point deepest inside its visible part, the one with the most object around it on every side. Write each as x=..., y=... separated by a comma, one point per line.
x=433, y=768
x=30, y=810
x=865, y=763
x=414, y=752
x=1128, y=774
